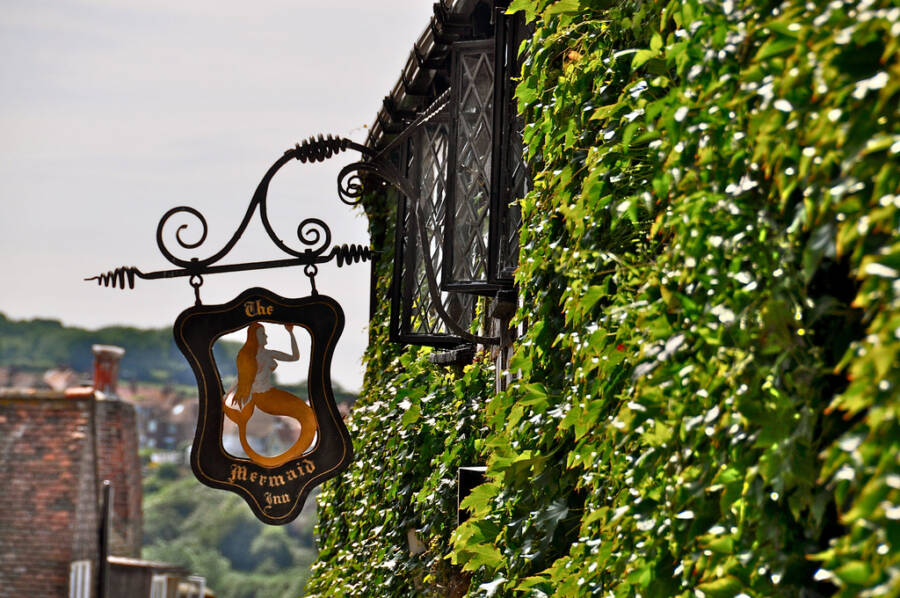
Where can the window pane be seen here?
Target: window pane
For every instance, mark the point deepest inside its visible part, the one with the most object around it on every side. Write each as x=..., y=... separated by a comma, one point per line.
x=473, y=81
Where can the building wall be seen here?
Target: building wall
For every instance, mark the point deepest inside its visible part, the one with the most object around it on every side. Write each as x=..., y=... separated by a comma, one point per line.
x=51, y=478
x=117, y=445
x=708, y=387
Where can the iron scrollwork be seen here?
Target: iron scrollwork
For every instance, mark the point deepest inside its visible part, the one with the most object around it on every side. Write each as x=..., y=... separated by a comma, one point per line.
x=313, y=234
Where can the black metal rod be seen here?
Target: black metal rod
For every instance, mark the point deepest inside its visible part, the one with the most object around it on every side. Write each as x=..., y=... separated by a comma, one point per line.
x=297, y=261
x=312, y=232
x=344, y=254
x=103, y=540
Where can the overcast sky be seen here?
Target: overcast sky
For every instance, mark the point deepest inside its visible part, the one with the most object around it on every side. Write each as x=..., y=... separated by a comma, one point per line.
x=114, y=111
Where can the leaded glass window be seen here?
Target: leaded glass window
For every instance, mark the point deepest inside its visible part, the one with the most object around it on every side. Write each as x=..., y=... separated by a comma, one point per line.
x=465, y=162
x=472, y=103
x=415, y=318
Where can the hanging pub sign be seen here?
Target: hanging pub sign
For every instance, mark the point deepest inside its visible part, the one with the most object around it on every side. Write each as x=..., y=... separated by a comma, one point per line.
x=274, y=486
x=318, y=445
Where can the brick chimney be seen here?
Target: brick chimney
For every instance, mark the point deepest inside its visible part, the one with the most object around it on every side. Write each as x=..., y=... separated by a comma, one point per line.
x=116, y=443
x=106, y=367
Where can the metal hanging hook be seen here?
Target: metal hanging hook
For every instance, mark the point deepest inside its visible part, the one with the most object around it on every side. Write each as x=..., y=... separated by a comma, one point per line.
x=196, y=281
x=311, y=270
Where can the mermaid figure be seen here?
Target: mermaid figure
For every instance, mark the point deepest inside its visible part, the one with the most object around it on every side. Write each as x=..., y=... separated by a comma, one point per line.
x=254, y=390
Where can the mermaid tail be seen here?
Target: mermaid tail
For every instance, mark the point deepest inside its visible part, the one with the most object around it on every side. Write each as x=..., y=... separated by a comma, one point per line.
x=275, y=402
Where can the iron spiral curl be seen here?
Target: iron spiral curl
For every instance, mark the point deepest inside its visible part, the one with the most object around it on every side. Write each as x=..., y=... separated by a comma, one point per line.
x=350, y=182
x=351, y=254
x=160, y=228
x=118, y=277
x=316, y=234
x=319, y=148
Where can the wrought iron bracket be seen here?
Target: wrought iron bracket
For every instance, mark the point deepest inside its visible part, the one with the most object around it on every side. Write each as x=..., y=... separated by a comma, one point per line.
x=313, y=233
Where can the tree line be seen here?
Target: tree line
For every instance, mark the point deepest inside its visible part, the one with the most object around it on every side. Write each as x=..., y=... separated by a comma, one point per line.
x=150, y=355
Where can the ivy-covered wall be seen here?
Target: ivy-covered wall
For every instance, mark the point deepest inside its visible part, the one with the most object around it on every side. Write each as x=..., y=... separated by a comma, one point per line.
x=708, y=392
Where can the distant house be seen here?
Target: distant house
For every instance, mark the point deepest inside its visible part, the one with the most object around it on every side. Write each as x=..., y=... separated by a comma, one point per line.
x=166, y=418
x=14, y=377
x=58, y=379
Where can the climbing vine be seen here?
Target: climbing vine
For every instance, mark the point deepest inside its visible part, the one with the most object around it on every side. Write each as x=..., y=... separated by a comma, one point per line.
x=707, y=398
x=384, y=525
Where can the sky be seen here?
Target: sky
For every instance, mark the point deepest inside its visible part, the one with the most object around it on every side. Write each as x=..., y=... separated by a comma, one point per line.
x=114, y=111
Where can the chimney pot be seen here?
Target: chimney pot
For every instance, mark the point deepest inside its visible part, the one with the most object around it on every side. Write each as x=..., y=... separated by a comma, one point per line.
x=106, y=367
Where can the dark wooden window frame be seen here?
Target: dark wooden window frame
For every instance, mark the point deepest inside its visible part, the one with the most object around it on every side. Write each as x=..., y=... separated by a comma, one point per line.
x=507, y=187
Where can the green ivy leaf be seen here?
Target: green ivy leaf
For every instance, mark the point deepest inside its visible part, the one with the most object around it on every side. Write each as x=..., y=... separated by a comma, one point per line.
x=724, y=587
x=563, y=7
x=775, y=47
x=641, y=57
x=411, y=415
x=529, y=6
x=854, y=572
x=534, y=394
